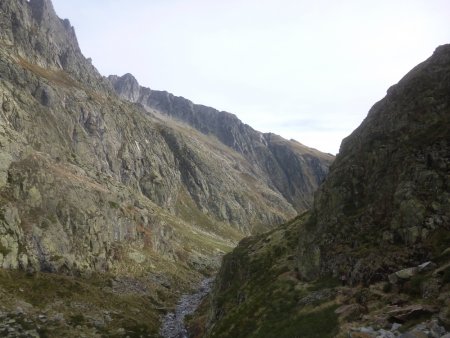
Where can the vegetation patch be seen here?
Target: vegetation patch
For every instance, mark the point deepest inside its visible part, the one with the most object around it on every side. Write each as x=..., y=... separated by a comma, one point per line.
x=80, y=304
x=324, y=283
x=316, y=324
x=413, y=287
x=113, y=205
x=260, y=295
x=4, y=250
x=446, y=275
x=56, y=76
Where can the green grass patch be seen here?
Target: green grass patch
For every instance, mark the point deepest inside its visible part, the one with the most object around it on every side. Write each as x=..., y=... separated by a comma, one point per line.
x=446, y=275
x=77, y=319
x=316, y=324
x=439, y=241
x=413, y=287
x=113, y=205
x=259, y=292
x=324, y=283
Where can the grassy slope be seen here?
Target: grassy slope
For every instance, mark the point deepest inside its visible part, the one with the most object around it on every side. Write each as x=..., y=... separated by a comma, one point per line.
x=258, y=292
x=56, y=305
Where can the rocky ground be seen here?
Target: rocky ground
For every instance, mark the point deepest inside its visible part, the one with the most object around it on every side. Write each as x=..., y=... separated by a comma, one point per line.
x=99, y=305
x=259, y=293
x=428, y=329
x=173, y=325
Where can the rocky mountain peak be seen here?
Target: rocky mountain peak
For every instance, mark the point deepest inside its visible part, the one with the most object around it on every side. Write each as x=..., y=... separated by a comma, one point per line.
x=288, y=166
x=42, y=10
x=126, y=86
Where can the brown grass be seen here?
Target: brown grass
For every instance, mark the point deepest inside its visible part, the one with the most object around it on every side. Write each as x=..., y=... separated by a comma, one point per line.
x=56, y=76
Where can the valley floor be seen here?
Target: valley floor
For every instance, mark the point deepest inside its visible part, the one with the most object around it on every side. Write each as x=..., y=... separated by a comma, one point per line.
x=173, y=325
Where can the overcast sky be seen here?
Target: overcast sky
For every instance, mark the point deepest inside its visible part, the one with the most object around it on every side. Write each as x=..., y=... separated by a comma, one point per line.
x=307, y=70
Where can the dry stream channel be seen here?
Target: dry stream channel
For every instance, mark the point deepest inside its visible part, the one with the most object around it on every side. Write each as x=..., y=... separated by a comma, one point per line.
x=173, y=323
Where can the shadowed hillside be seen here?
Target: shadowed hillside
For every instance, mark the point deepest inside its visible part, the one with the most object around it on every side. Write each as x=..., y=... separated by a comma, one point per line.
x=371, y=259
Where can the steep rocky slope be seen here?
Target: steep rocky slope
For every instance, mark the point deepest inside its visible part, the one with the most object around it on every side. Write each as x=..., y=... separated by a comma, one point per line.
x=388, y=195
x=91, y=183
x=287, y=166
x=73, y=153
x=381, y=222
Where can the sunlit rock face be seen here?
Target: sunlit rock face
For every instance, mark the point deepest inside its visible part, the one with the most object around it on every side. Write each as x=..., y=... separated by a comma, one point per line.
x=292, y=169
x=85, y=174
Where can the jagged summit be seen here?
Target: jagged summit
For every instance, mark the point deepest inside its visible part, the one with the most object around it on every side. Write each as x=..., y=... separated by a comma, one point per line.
x=290, y=167
x=126, y=86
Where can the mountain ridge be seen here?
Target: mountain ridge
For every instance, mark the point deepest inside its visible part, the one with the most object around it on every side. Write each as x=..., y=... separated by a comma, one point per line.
x=270, y=152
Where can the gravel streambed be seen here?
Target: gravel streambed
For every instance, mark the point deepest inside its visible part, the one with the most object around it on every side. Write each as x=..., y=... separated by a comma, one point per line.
x=173, y=323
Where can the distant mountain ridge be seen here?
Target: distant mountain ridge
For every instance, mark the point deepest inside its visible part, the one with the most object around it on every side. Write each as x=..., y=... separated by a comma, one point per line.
x=293, y=169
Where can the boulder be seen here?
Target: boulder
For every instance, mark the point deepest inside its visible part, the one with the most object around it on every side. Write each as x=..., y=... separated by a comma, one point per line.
x=427, y=266
x=410, y=312
x=350, y=312
x=404, y=274
x=407, y=273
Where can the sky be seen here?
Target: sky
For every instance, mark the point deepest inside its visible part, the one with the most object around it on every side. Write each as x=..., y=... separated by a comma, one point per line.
x=306, y=70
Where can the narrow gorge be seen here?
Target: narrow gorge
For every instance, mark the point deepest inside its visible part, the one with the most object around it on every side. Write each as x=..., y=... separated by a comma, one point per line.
x=131, y=212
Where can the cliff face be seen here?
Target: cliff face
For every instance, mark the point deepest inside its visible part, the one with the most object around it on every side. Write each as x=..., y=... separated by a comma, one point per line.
x=31, y=30
x=288, y=167
x=383, y=211
x=387, y=197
